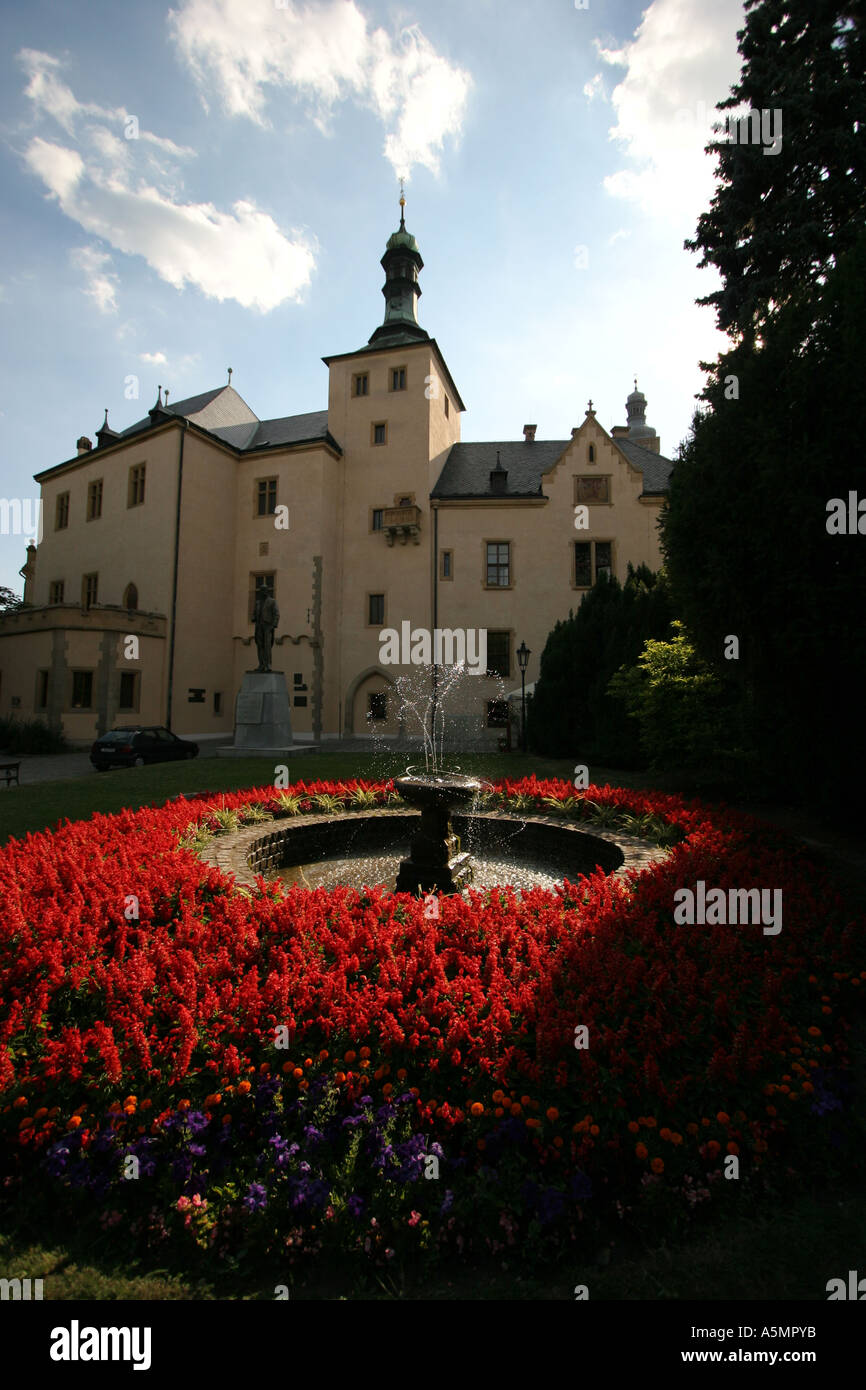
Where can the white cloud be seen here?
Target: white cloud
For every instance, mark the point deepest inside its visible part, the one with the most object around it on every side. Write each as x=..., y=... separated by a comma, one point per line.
x=620, y=234
x=154, y=359
x=101, y=283
x=326, y=54
x=124, y=192
x=682, y=61
x=594, y=87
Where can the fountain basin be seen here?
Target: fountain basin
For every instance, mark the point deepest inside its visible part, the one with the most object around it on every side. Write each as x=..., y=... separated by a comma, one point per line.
x=435, y=862
x=361, y=849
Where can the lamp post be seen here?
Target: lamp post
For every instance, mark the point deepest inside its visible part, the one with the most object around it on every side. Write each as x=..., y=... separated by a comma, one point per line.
x=523, y=655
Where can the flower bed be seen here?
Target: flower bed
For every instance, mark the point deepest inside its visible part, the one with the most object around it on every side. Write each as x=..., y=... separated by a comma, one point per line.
x=295, y=1071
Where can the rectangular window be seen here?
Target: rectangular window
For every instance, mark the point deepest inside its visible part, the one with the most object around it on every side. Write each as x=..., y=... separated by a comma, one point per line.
x=361, y=384
x=300, y=701
x=128, y=690
x=94, y=499
x=583, y=564
x=257, y=581
x=379, y=433
x=447, y=408
x=603, y=558
x=41, y=689
x=593, y=491
x=82, y=689
x=376, y=609
x=376, y=518
x=498, y=564
x=89, y=589
x=398, y=379
x=55, y=591
x=591, y=559
x=499, y=654
x=298, y=678
x=446, y=568
x=135, y=493
x=217, y=702
x=497, y=714
x=377, y=705
x=61, y=515
x=266, y=497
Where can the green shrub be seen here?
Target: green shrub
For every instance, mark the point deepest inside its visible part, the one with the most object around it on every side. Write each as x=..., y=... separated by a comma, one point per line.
x=30, y=736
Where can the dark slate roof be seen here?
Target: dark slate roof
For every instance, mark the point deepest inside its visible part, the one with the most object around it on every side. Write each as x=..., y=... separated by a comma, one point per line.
x=467, y=469
x=191, y=406
x=656, y=468
x=290, y=429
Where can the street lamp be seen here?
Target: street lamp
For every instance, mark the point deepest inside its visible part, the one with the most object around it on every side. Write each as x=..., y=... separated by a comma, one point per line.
x=523, y=655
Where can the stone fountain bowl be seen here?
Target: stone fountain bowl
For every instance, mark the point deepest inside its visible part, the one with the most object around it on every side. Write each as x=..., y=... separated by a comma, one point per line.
x=440, y=789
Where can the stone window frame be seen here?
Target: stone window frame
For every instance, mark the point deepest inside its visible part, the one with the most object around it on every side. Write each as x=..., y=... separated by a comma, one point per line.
x=497, y=540
x=89, y=600
x=446, y=578
x=135, y=707
x=53, y=586
x=136, y=481
x=508, y=632
x=80, y=671
x=357, y=378
x=374, y=529
x=61, y=511
x=593, y=564
x=266, y=479
x=379, y=623
x=378, y=425
x=43, y=681
x=391, y=373
x=94, y=494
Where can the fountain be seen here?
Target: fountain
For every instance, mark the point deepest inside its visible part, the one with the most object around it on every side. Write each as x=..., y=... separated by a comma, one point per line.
x=436, y=861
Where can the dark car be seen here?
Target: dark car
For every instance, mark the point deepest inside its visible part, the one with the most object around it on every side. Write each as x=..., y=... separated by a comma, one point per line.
x=138, y=744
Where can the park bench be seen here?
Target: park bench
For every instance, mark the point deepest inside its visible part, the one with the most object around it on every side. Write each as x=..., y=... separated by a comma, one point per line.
x=10, y=771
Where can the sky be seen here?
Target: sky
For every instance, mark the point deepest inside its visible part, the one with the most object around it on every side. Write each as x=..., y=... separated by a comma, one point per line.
x=208, y=185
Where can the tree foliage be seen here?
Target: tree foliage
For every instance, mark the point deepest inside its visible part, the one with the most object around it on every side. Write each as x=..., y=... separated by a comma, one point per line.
x=571, y=713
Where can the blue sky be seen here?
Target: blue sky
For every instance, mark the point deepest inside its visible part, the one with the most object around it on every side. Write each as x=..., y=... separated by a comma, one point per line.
x=211, y=184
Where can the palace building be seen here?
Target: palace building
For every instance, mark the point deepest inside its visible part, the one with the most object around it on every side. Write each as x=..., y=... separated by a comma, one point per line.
x=357, y=518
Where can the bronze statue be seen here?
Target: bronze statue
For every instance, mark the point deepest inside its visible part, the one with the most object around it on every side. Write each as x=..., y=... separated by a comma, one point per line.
x=266, y=616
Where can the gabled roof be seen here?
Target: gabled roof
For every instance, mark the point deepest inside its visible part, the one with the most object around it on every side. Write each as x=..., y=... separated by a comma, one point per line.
x=466, y=471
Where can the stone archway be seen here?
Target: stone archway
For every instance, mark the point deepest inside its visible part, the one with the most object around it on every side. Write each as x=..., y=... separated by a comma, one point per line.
x=373, y=680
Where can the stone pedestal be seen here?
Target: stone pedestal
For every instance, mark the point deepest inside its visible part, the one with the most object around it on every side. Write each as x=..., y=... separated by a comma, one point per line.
x=263, y=717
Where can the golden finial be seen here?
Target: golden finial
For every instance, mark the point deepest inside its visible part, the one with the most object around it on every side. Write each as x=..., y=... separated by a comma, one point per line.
x=402, y=206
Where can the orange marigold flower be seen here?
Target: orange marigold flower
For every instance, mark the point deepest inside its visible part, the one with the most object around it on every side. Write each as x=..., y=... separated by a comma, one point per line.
x=516, y=1109
x=243, y=1087
x=641, y=1150
x=807, y=1087
x=378, y=1073
x=691, y=1128
x=74, y=1121
x=771, y=1110
x=498, y=1097
x=476, y=1108
x=552, y=1114
x=658, y=1165
x=723, y=1117
x=323, y=1055
x=525, y=1100
x=27, y=1123
x=212, y=1099
x=732, y=1148
x=664, y=1132
x=499, y=1112
x=814, y=1032
x=146, y=1104
x=633, y=1126
x=676, y=1138
x=17, y=1104
x=532, y=1123
x=350, y=1057
x=558, y=1141
x=303, y=1085
x=308, y=1061
x=401, y=1074
x=705, y=1123
x=40, y=1112
x=365, y=1051
x=388, y=1087
x=713, y=1148
x=826, y=1009
x=593, y=1129
x=288, y=1066
x=826, y=1048
x=650, y=1121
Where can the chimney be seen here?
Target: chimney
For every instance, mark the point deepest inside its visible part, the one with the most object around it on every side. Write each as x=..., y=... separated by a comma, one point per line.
x=529, y=433
x=84, y=445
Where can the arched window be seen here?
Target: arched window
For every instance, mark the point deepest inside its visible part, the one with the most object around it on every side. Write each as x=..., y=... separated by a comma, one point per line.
x=130, y=597
x=592, y=453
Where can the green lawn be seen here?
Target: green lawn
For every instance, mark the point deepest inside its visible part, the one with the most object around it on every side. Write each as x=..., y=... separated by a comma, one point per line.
x=43, y=804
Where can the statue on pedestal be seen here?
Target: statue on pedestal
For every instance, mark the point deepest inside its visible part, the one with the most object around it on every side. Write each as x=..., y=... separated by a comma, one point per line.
x=266, y=616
